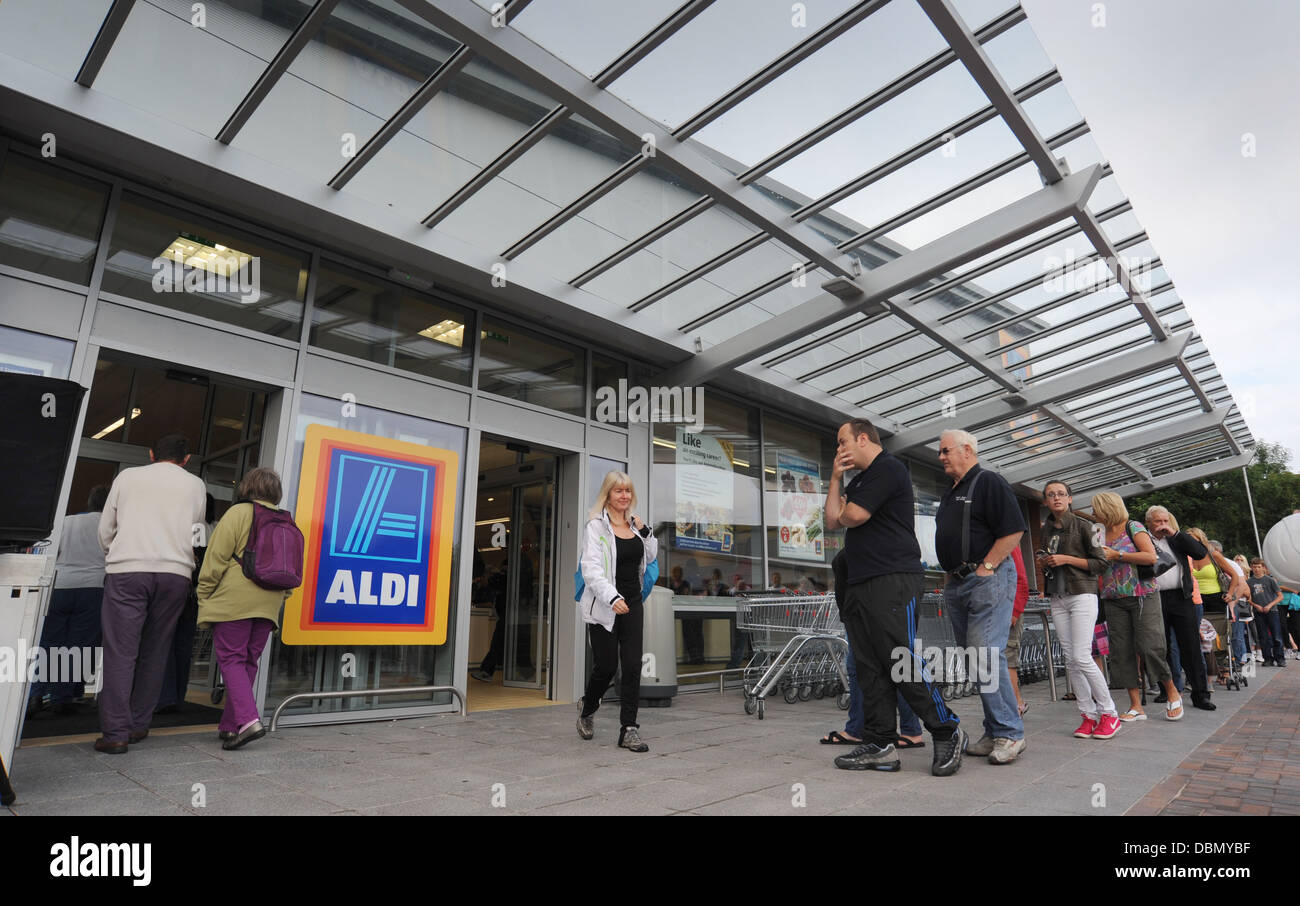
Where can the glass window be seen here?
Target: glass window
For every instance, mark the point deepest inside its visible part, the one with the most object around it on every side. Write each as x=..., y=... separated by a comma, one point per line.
x=166, y=402
x=110, y=393
x=306, y=668
x=49, y=219
x=928, y=487
x=194, y=265
x=597, y=469
x=708, y=521
x=381, y=322
x=796, y=474
x=35, y=353
x=605, y=376
x=524, y=367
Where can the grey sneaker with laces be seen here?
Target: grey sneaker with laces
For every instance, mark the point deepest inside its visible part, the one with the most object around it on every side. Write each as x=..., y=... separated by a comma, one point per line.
x=631, y=740
x=947, y=754
x=586, y=727
x=870, y=757
x=982, y=748
x=1004, y=751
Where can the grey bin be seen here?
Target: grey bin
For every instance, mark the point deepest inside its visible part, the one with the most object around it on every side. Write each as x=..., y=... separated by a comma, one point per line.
x=659, y=638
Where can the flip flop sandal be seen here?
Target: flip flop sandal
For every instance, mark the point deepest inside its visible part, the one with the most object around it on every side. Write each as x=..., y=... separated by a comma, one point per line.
x=1131, y=715
x=1171, y=707
x=902, y=743
x=835, y=738
x=1024, y=708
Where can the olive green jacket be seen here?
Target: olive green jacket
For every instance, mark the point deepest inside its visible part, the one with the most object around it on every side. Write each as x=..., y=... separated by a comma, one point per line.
x=224, y=592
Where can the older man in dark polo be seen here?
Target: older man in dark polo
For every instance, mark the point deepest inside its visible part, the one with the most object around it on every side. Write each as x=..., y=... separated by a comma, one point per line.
x=978, y=524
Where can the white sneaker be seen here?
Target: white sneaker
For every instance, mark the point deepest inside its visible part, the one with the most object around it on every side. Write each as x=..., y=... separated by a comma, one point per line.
x=1005, y=751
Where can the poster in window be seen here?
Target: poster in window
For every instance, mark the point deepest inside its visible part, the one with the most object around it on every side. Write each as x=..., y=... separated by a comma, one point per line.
x=705, y=488
x=799, y=502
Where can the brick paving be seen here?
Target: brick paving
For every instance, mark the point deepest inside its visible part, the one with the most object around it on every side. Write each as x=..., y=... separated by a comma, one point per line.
x=1249, y=766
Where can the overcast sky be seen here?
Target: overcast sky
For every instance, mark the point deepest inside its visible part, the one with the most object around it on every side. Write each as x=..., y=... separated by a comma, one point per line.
x=1170, y=87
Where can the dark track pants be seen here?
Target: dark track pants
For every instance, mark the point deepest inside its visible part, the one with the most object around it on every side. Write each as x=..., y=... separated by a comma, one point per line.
x=880, y=618
x=609, y=651
x=1180, y=619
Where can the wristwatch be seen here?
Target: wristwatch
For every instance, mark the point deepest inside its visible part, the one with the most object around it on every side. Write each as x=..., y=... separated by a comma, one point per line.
x=989, y=566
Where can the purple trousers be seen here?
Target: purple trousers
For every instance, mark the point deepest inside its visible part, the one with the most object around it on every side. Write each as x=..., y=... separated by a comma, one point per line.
x=238, y=646
x=138, y=619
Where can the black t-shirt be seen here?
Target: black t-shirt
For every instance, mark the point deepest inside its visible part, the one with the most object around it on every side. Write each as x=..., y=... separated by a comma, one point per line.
x=627, y=568
x=885, y=543
x=994, y=514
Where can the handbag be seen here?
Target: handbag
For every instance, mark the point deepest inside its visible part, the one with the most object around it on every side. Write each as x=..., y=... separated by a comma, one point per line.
x=1100, y=641
x=1164, y=562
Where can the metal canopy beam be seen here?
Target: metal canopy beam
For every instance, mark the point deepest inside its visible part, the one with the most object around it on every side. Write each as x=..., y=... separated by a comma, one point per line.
x=397, y=122
x=1015, y=221
x=977, y=63
x=468, y=23
x=103, y=43
x=303, y=34
x=1205, y=470
x=1078, y=383
x=560, y=113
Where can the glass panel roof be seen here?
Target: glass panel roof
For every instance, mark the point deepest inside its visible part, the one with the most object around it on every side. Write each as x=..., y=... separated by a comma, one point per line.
x=687, y=73
x=194, y=76
x=590, y=34
x=1017, y=55
x=52, y=34
x=870, y=55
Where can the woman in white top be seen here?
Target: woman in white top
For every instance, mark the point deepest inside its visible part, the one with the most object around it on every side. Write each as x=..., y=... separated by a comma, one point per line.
x=616, y=550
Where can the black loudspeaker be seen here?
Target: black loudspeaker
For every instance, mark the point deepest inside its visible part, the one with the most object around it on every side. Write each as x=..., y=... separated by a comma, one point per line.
x=38, y=416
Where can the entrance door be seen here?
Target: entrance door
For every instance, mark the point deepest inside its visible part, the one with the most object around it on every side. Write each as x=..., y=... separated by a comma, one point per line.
x=515, y=535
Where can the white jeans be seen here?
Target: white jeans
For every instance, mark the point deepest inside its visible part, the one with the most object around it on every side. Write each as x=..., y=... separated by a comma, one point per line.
x=1074, y=617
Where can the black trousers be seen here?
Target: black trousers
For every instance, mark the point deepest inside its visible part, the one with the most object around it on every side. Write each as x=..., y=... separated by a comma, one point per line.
x=879, y=617
x=610, y=651
x=1180, y=619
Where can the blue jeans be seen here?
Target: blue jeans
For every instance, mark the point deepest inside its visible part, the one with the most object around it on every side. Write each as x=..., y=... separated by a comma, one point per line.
x=1239, y=642
x=980, y=609
x=1274, y=648
x=908, y=723
x=855, y=724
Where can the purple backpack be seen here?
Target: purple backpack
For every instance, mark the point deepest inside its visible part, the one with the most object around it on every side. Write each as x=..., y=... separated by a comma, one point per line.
x=273, y=556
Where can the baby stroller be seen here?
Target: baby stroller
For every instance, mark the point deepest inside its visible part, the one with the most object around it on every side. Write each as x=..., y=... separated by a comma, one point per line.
x=1236, y=678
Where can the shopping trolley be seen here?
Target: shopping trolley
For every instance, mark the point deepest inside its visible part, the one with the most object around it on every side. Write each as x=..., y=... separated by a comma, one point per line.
x=934, y=630
x=799, y=647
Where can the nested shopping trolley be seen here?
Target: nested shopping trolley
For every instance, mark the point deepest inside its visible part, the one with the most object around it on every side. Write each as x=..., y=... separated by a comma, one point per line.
x=799, y=648
x=937, y=642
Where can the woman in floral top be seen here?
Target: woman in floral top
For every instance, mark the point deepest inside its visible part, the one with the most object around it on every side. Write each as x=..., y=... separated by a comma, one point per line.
x=1133, y=616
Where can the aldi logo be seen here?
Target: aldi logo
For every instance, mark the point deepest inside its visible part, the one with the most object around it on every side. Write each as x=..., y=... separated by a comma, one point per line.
x=378, y=518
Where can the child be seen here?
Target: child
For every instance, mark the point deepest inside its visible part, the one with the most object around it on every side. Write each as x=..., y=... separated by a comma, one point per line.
x=1208, y=637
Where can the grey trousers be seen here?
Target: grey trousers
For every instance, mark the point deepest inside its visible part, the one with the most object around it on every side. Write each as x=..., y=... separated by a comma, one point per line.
x=1136, y=627
x=139, y=617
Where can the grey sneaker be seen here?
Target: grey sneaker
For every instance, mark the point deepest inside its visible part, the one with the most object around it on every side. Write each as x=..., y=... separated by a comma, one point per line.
x=870, y=757
x=947, y=754
x=586, y=727
x=631, y=740
x=984, y=747
x=1005, y=751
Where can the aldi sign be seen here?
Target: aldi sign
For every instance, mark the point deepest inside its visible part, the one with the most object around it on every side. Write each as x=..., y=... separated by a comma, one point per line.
x=377, y=515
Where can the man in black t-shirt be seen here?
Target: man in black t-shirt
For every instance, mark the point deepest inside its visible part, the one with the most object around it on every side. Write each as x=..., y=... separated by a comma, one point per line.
x=885, y=576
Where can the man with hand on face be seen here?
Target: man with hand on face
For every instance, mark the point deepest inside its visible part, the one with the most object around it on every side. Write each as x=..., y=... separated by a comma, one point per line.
x=885, y=580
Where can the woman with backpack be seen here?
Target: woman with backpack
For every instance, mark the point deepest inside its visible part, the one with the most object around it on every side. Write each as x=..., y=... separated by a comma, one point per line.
x=241, y=612
x=617, y=549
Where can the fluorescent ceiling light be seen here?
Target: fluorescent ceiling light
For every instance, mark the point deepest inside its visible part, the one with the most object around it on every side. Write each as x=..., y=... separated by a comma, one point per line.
x=446, y=331
x=195, y=251
x=135, y=413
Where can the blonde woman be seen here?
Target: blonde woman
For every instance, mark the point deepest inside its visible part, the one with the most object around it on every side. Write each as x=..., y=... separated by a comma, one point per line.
x=616, y=550
x=1133, y=616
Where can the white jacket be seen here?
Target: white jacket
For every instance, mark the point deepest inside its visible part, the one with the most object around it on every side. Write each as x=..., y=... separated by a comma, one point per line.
x=598, y=563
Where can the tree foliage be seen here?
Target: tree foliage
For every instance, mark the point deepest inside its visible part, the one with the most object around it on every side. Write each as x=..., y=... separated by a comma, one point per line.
x=1218, y=504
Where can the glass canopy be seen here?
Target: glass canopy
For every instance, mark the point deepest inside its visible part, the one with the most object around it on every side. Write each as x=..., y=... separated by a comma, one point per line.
x=711, y=180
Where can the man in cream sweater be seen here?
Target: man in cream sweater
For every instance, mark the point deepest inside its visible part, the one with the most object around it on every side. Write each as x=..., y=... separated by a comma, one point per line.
x=147, y=529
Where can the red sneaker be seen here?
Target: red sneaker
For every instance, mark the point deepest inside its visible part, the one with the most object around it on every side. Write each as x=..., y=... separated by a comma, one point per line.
x=1107, y=727
x=1087, y=728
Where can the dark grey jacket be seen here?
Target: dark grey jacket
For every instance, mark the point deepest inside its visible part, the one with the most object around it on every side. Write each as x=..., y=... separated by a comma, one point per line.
x=1078, y=540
